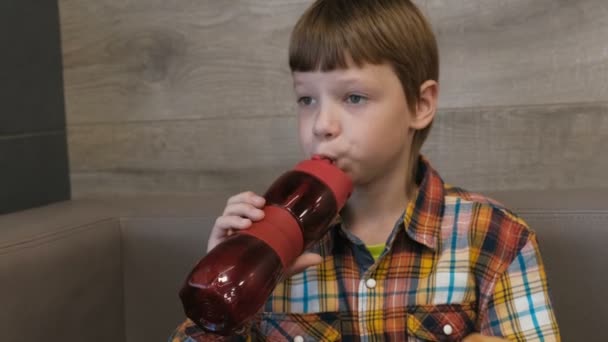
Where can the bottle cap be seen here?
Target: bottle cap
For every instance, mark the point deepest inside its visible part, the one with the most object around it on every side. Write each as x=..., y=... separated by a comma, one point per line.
x=327, y=172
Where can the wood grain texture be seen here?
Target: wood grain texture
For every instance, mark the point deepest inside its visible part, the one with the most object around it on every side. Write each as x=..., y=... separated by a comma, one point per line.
x=190, y=144
x=188, y=96
x=538, y=147
x=141, y=60
x=181, y=156
x=190, y=59
x=503, y=53
x=515, y=148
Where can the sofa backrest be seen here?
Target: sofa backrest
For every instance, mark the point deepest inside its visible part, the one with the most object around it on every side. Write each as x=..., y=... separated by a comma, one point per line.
x=60, y=275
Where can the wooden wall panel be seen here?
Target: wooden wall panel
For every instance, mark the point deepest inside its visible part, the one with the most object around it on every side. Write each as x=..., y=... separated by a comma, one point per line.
x=518, y=148
x=521, y=52
x=190, y=59
x=537, y=147
x=189, y=96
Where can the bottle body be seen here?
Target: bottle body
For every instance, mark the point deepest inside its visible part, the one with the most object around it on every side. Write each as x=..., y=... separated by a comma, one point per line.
x=219, y=299
x=308, y=200
x=234, y=280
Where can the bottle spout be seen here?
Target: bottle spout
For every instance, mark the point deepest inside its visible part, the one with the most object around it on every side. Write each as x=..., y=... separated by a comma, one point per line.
x=323, y=158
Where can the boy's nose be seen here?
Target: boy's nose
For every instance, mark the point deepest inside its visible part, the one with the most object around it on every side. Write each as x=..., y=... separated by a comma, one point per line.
x=327, y=124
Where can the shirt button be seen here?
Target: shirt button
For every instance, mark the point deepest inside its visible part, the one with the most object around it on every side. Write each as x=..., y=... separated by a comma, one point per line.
x=298, y=339
x=370, y=283
x=448, y=330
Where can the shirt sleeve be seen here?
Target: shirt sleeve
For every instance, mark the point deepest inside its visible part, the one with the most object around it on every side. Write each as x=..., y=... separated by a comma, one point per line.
x=270, y=326
x=179, y=334
x=520, y=308
x=189, y=332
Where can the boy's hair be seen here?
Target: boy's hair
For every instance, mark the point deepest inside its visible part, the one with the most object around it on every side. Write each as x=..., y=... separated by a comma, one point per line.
x=374, y=32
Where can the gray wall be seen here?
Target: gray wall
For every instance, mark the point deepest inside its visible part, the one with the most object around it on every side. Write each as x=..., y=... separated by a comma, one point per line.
x=33, y=150
x=195, y=96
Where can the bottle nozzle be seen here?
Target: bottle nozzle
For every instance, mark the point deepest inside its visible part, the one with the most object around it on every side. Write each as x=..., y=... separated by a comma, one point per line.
x=323, y=158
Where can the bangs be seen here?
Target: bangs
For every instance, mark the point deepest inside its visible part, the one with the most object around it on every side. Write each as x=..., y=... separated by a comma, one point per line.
x=332, y=34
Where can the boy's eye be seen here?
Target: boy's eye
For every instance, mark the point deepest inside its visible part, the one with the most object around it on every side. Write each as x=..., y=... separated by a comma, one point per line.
x=305, y=100
x=355, y=99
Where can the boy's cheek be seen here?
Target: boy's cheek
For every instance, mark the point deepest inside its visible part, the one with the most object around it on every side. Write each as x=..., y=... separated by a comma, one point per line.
x=306, y=145
x=303, y=133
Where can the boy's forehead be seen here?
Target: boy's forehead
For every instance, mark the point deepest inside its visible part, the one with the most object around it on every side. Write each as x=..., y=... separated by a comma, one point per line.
x=339, y=75
x=351, y=74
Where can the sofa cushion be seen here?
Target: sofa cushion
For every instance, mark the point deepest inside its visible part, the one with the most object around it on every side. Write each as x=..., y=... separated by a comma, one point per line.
x=64, y=286
x=110, y=270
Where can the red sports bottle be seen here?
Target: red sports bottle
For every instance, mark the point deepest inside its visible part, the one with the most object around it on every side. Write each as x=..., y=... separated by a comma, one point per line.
x=233, y=281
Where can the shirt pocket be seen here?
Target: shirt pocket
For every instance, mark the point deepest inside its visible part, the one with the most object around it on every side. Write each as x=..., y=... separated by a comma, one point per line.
x=300, y=327
x=445, y=322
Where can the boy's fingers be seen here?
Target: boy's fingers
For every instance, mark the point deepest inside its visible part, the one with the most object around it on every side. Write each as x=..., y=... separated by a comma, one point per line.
x=225, y=226
x=228, y=222
x=303, y=262
x=244, y=210
x=239, y=198
x=247, y=197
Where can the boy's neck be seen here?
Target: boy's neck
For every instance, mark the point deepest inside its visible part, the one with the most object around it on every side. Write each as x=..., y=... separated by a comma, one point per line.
x=372, y=210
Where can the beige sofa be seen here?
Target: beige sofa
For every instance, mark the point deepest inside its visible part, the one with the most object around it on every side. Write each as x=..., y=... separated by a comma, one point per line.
x=109, y=270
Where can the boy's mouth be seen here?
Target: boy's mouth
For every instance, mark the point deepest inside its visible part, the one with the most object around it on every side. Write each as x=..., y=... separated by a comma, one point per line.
x=324, y=157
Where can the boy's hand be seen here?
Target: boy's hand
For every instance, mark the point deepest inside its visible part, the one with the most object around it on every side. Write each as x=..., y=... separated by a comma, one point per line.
x=241, y=211
x=481, y=338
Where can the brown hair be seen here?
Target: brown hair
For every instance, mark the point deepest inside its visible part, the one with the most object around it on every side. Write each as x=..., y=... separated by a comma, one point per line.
x=369, y=31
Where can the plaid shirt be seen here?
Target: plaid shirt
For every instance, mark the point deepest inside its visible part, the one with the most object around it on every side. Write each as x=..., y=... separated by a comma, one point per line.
x=454, y=264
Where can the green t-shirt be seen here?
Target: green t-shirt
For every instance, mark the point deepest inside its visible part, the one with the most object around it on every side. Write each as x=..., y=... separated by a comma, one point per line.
x=376, y=250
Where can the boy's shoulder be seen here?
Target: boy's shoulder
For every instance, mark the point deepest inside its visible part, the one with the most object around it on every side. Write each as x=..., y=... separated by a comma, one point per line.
x=489, y=207
x=494, y=230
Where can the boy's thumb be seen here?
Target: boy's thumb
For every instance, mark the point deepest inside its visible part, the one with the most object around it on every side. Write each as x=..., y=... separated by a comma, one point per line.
x=303, y=262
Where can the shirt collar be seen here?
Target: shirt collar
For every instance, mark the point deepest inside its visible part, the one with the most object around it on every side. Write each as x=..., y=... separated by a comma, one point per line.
x=423, y=214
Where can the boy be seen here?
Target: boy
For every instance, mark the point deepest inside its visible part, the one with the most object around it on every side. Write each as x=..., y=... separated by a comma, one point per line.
x=412, y=258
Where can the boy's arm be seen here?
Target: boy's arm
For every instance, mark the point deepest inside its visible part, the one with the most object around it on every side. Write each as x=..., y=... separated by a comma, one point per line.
x=520, y=308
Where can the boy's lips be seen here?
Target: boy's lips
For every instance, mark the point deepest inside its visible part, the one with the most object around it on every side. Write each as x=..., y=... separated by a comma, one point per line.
x=336, y=161
x=325, y=156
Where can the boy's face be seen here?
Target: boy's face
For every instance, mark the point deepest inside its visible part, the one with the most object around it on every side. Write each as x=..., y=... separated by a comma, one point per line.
x=358, y=117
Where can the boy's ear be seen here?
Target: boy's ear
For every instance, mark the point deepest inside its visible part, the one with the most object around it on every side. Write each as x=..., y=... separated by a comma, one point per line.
x=426, y=106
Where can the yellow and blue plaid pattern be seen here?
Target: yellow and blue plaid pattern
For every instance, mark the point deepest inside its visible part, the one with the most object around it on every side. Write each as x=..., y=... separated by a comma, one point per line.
x=456, y=263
